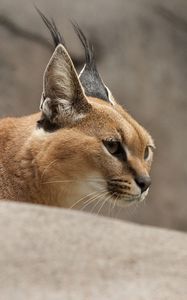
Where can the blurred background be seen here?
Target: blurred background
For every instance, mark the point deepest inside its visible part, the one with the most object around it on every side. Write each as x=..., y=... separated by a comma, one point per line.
x=141, y=50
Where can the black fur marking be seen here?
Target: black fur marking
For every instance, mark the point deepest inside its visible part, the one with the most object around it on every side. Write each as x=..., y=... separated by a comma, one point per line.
x=56, y=36
x=90, y=78
x=89, y=51
x=47, y=125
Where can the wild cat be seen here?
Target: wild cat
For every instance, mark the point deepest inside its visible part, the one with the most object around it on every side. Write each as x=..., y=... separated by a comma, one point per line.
x=82, y=146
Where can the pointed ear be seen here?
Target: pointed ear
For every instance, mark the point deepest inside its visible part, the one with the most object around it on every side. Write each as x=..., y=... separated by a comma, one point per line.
x=63, y=99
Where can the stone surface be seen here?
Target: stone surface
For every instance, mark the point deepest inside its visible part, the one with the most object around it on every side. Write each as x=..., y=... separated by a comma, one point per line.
x=49, y=253
x=142, y=55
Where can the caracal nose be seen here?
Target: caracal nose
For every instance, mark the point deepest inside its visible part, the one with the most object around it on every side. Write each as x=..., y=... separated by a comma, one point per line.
x=143, y=182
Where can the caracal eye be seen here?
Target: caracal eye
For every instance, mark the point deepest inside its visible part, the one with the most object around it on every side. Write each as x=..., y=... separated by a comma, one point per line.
x=112, y=147
x=115, y=148
x=147, y=153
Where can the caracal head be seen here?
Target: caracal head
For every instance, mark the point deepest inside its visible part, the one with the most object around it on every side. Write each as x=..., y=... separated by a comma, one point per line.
x=93, y=148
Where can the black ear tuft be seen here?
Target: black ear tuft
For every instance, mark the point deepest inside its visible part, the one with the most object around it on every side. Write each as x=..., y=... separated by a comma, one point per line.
x=89, y=76
x=51, y=25
x=88, y=48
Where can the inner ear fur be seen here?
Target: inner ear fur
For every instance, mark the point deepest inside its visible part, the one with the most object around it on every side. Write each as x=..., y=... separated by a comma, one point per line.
x=63, y=98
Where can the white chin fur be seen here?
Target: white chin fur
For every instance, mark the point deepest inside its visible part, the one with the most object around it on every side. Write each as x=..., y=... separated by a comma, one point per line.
x=142, y=198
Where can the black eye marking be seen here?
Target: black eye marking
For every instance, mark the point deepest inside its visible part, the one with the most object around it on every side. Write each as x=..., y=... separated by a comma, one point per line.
x=115, y=148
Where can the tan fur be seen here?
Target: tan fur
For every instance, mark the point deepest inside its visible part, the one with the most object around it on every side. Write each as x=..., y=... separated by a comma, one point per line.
x=60, y=167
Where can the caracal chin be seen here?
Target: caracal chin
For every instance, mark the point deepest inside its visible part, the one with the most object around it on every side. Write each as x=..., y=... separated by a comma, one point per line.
x=82, y=148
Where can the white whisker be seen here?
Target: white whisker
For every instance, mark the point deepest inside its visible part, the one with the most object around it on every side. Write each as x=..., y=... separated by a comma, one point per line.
x=117, y=213
x=109, y=208
x=74, y=180
x=46, y=168
x=99, y=195
x=117, y=197
x=81, y=199
x=104, y=201
x=99, y=199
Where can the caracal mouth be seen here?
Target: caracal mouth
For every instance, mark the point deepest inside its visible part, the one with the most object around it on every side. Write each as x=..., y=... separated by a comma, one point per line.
x=94, y=191
x=123, y=200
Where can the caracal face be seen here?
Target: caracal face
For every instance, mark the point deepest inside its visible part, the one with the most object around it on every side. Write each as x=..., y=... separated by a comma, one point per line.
x=83, y=147
x=105, y=156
